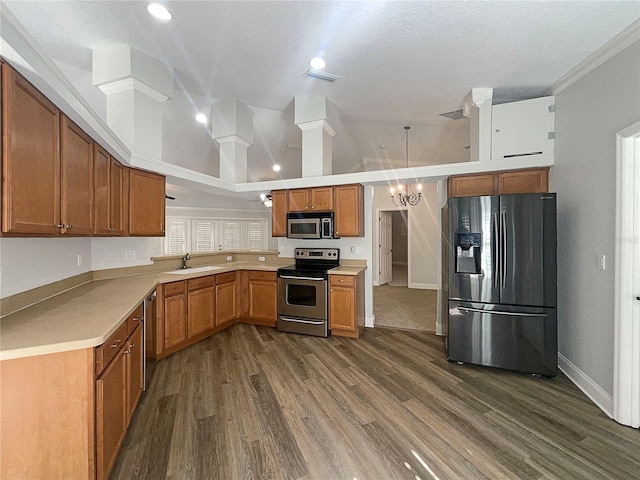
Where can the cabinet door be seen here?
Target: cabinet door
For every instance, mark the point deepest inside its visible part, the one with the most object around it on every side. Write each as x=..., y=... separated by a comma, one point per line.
x=111, y=413
x=262, y=300
x=348, y=216
x=298, y=200
x=524, y=181
x=473, y=185
x=342, y=314
x=76, y=180
x=31, y=158
x=135, y=379
x=101, y=182
x=201, y=311
x=146, y=203
x=116, y=198
x=279, y=210
x=175, y=320
x=322, y=199
x=225, y=303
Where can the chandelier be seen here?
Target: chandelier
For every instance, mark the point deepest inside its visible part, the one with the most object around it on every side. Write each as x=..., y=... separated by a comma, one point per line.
x=402, y=195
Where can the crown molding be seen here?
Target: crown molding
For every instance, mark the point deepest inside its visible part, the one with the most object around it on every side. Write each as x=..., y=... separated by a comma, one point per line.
x=317, y=124
x=130, y=83
x=627, y=37
x=234, y=139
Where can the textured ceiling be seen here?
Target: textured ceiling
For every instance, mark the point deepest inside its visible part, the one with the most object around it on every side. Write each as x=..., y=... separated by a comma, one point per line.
x=401, y=62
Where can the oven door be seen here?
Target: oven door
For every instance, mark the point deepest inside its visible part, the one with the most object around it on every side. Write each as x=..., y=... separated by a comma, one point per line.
x=303, y=297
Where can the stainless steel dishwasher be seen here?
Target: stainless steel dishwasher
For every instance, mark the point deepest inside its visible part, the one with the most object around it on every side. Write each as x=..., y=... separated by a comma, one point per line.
x=149, y=335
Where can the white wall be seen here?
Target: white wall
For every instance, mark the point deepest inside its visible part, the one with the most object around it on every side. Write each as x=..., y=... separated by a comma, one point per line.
x=424, y=235
x=110, y=252
x=27, y=263
x=588, y=115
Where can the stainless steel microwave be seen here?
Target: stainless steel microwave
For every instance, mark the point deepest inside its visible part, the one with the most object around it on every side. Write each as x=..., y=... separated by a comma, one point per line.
x=310, y=225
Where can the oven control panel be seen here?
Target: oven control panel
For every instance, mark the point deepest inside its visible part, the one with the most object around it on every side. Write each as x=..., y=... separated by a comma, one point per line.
x=317, y=253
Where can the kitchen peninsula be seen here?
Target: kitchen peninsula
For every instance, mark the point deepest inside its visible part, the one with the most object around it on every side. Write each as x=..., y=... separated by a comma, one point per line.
x=54, y=376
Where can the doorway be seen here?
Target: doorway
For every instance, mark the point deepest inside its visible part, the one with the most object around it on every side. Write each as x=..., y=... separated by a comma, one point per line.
x=626, y=375
x=393, y=248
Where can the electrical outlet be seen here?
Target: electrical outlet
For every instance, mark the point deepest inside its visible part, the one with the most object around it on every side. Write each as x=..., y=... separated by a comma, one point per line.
x=602, y=262
x=229, y=258
x=130, y=255
x=79, y=260
x=261, y=259
x=356, y=250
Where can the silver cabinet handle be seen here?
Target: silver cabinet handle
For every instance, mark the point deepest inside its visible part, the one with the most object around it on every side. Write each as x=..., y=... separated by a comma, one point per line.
x=498, y=312
x=116, y=343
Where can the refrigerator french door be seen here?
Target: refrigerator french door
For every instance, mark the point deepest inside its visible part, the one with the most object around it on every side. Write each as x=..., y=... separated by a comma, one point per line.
x=502, y=282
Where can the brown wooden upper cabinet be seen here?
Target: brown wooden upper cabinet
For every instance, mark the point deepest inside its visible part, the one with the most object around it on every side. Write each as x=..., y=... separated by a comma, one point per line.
x=31, y=159
x=76, y=180
x=109, y=194
x=56, y=180
x=346, y=201
x=349, y=211
x=279, y=209
x=534, y=180
x=318, y=199
x=146, y=203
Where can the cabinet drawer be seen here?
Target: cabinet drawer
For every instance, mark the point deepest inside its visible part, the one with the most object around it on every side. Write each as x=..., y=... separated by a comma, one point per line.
x=174, y=288
x=109, y=349
x=342, y=280
x=225, y=278
x=201, y=282
x=134, y=320
x=258, y=275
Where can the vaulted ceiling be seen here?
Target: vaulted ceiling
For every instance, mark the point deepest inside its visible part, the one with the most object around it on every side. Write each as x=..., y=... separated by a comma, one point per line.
x=401, y=63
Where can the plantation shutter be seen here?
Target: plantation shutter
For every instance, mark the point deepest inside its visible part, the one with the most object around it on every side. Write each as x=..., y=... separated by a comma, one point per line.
x=204, y=236
x=256, y=235
x=231, y=235
x=176, y=238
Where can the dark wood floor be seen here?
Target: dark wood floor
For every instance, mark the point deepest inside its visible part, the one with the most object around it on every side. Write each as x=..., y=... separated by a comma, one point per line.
x=252, y=403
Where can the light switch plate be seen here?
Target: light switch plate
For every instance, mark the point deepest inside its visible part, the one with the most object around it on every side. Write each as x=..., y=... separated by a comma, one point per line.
x=602, y=262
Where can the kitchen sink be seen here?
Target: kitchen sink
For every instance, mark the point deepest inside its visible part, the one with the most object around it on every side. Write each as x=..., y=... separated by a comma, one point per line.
x=184, y=271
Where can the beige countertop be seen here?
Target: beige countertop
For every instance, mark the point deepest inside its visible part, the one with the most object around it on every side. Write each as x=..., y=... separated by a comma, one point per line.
x=347, y=270
x=85, y=316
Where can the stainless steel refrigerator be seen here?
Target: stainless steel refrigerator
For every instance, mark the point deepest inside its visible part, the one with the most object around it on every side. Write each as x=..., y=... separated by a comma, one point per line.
x=502, y=282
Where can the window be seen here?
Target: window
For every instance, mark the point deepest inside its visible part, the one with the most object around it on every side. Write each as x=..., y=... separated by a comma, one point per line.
x=199, y=235
x=204, y=235
x=175, y=241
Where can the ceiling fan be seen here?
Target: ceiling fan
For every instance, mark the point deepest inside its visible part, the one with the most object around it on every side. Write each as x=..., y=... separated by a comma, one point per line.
x=265, y=198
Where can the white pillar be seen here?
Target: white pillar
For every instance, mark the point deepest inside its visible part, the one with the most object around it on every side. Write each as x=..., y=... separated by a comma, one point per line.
x=477, y=106
x=314, y=116
x=232, y=127
x=136, y=86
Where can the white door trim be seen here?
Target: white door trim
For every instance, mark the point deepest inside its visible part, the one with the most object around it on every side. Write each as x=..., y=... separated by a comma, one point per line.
x=626, y=375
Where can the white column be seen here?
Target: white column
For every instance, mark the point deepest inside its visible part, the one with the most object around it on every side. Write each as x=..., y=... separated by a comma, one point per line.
x=477, y=106
x=136, y=86
x=232, y=127
x=314, y=116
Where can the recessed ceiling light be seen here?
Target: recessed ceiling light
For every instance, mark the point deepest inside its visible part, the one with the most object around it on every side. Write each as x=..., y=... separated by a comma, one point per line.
x=201, y=117
x=276, y=168
x=317, y=63
x=159, y=11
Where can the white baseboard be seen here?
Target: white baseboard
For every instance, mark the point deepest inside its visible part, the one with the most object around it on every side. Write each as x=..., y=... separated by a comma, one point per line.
x=590, y=388
x=370, y=321
x=424, y=286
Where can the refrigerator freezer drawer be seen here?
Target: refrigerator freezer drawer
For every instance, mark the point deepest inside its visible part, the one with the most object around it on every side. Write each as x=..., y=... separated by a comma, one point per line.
x=513, y=338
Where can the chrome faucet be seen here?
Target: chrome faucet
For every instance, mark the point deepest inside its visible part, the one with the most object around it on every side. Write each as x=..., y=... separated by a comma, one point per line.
x=184, y=260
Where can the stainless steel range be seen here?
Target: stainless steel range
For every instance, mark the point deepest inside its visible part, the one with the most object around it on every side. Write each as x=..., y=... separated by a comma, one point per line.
x=303, y=291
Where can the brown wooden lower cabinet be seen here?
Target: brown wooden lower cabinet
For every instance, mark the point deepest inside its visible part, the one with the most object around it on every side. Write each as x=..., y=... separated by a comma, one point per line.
x=175, y=314
x=346, y=305
x=263, y=298
x=201, y=307
x=226, y=298
x=118, y=390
